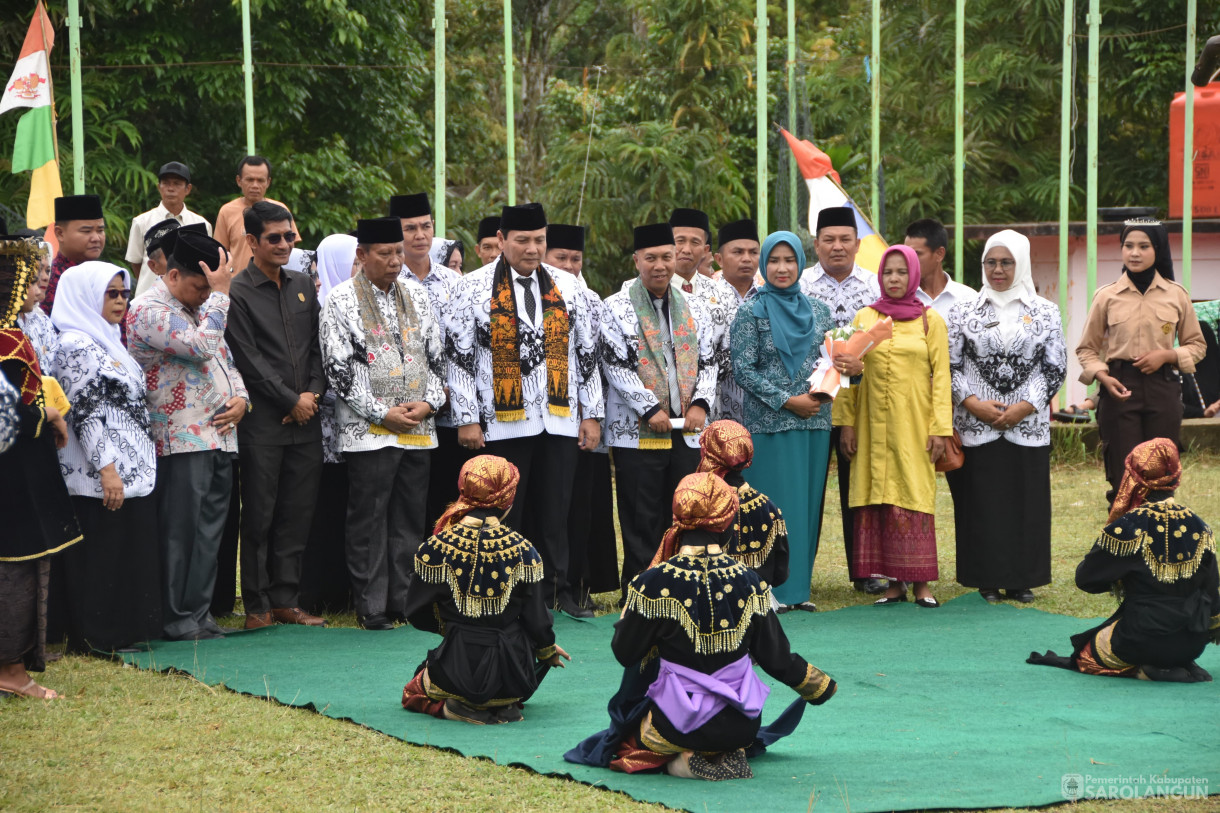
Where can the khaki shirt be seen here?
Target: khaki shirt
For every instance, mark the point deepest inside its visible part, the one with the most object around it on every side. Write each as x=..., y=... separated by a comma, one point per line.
x=1124, y=325
x=231, y=230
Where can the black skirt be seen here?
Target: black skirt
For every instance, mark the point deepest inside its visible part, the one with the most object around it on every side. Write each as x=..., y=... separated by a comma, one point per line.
x=113, y=576
x=23, y=613
x=1002, y=508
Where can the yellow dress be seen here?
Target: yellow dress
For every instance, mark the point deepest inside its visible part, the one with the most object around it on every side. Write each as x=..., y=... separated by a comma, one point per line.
x=903, y=398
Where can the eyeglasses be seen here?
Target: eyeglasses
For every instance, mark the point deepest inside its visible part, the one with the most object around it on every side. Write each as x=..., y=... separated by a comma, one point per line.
x=274, y=239
x=115, y=293
x=1007, y=265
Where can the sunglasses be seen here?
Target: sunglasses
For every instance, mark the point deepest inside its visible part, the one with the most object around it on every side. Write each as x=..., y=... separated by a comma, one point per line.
x=274, y=239
x=115, y=293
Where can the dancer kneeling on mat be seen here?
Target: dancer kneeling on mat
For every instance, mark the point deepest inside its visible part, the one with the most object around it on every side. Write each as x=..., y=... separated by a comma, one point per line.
x=478, y=583
x=709, y=620
x=1160, y=559
x=758, y=538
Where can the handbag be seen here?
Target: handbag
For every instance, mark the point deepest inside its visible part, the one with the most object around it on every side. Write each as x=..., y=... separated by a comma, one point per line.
x=954, y=457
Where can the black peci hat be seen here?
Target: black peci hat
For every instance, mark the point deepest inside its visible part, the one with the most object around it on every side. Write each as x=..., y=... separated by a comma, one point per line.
x=78, y=207
x=416, y=205
x=379, y=230
x=836, y=216
x=191, y=248
x=652, y=235
x=691, y=219
x=488, y=227
x=559, y=235
x=737, y=230
x=526, y=217
x=157, y=233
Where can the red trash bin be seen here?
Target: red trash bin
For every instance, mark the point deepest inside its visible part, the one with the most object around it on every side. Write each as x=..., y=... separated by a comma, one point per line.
x=1207, y=152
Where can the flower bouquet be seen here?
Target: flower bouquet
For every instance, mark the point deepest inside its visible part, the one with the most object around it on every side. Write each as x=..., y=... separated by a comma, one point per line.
x=826, y=381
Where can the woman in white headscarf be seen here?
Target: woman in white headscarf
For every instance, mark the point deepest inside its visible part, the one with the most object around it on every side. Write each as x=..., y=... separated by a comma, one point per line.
x=113, y=578
x=448, y=253
x=324, y=583
x=1008, y=359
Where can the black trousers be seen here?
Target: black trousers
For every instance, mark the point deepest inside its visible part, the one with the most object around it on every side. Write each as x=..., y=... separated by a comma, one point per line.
x=1154, y=410
x=279, y=487
x=387, y=496
x=646, y=481
x=844, y=470
x=325, y=586
x=592, y=541
x=544, y=495
x=447, y=461
x=193, y=491
x=224, y=593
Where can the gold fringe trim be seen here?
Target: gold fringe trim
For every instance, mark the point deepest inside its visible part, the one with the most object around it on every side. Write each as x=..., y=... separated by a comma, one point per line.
x=756, y=558
x=507, y=415
x=560, y=411
x=1164, y=572
x=656, y=443
x=706, y=643
x=461, y=542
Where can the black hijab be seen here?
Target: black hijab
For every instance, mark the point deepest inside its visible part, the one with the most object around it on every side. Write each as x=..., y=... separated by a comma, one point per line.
x=1158, y=235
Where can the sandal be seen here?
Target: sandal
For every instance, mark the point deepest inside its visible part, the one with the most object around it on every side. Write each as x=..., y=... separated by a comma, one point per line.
x=42, y=693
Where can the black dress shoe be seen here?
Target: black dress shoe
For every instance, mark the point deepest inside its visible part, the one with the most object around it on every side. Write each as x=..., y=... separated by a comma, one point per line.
x=990, y=594
x=1023, y=596
x=568, y=606
x=929, y=601
x=375, y=622
x=884, y=600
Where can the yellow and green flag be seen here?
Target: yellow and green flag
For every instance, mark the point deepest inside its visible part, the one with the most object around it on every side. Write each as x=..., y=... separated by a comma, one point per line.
x=34, y=149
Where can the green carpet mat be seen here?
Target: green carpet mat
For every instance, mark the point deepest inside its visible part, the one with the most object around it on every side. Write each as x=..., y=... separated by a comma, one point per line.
x=935, y=709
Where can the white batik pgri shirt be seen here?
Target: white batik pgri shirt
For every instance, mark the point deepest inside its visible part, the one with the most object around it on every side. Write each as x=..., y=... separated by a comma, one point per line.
x=345, y=358
x=37, y=327
x=730, y=397
x=441, y=283
x=857, y=290
x=627, y=399
x=950, y=295
x=1030, y=367
x=470, y=361
x=108, y=421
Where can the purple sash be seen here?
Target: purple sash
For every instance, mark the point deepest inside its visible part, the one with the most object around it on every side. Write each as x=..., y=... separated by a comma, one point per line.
x=689, y=698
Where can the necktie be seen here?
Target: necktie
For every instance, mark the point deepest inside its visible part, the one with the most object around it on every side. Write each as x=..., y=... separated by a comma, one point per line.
x=531, y=304
x=688, y=288
x=671, y=364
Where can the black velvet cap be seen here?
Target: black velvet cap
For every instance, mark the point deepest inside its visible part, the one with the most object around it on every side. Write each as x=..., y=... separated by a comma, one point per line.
x=154, y=238
x=836, y=216
x=170, y=240
x=691, y=219
x=380, y=230
x=78, y=207
x=526, y=217
x=191, y=248
x=559, y=235
x=416, y=205
x=653, y=235
x=488, y=227
x=737, y=230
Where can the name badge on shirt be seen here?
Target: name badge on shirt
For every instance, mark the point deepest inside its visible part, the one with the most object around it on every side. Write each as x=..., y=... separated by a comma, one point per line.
x=1166, y=328
x=301, y=297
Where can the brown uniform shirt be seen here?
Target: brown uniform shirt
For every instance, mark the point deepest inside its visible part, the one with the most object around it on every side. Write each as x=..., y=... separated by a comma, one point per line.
x=231, y=229
x=1123, y=324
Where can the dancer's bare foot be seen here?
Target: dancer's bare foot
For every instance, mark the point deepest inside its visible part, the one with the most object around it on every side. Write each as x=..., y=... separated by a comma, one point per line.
x=679, y=766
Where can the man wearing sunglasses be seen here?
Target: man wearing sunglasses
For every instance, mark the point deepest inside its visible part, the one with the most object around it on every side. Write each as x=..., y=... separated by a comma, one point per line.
x=273, y=332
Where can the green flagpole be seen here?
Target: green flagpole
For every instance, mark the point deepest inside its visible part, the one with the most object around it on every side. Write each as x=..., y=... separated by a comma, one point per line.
x=1094, y=20
x=959, y=140
x=438, y=102
x=760, y=114
x=1188, y=150
x=792, y=180
x=1066, y=92
x=876, y=120
x=247, y=69
x=78, y=120
x=509, y=123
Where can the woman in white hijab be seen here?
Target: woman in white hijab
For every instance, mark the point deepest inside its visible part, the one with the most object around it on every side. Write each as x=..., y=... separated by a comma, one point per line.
x=324, y=583
x=113, y=578
x=1008, y=359
x=448, y=253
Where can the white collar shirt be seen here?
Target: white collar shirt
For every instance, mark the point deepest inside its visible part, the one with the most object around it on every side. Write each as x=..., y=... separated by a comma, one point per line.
x=519, y=293
x=950, y=295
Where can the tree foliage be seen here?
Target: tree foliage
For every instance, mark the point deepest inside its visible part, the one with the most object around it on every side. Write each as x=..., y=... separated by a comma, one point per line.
x=343, y=95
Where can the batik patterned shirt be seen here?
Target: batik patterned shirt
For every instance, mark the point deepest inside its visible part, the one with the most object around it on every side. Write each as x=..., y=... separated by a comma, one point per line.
x=857, y=290
x=42, y=334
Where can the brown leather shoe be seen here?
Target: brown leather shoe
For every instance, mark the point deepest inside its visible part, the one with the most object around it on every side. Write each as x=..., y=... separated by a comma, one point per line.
x=256, y=621
x=295, y=615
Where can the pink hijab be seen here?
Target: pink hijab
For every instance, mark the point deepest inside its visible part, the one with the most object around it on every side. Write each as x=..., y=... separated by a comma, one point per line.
x=908, y=307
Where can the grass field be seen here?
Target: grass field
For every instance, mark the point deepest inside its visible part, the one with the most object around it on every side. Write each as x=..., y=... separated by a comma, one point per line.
x=123, y=739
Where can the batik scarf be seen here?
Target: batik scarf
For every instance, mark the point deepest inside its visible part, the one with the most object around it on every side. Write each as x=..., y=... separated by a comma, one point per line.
x=712, y=597
x=701, y=501
x=1154, y=465
x=397, y=360
x=725, y=446
x=480, y=560
x=652, y=356
x=506, y=386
